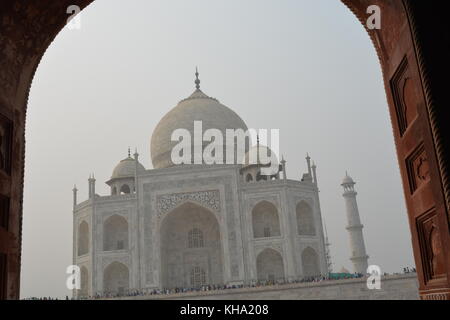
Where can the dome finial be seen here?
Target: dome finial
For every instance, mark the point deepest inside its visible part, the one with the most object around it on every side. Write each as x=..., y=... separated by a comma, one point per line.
x=129, y=152
x=197, y=80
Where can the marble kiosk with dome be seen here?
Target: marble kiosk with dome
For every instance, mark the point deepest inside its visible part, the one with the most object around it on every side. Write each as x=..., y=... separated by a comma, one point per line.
x=191, y=225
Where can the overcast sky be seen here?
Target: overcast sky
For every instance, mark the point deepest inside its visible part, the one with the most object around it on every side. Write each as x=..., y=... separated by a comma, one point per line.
x=305, y=67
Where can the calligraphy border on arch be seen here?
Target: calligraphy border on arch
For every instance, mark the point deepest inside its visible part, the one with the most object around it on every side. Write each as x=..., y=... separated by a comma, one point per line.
x=167, y=202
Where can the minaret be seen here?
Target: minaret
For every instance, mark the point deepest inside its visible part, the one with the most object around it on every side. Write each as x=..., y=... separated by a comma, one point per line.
x=74, y=190
x=359, y=257
x=91, y=186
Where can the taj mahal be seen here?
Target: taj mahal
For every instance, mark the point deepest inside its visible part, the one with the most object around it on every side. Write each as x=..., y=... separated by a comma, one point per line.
x=189, y=225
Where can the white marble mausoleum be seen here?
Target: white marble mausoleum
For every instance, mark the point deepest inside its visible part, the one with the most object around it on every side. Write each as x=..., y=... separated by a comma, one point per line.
x=189, y=225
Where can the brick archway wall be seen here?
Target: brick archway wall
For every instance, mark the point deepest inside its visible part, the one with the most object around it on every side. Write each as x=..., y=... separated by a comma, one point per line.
x=414, y=68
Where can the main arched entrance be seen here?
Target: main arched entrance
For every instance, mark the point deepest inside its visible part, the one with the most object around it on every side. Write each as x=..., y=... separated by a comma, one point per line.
x=191, y=248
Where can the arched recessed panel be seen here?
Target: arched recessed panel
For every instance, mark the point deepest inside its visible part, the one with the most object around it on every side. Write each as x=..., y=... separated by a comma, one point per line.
x=116, y=279
x=305, y=219
x=83, y=238
x=265, y=220
x=269, y=265
x=310, y=263
x=115, y=233
x=84, y=282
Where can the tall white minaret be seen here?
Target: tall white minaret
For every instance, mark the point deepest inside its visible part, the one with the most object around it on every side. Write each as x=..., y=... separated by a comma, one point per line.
x=359, y=256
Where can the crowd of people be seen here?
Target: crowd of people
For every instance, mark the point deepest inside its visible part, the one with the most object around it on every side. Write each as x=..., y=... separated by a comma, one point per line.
x=255, y=284
x=44, y=298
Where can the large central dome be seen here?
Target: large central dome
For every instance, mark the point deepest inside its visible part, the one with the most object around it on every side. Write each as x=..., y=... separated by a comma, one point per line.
x=197, y=107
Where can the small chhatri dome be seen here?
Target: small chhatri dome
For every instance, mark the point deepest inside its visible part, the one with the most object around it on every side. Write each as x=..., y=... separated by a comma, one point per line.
x=347, y=179
x=197, y=107
x=126, y=167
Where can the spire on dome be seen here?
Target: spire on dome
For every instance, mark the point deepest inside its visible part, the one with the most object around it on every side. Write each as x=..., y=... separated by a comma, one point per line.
x=129, y=152
x=197, y=80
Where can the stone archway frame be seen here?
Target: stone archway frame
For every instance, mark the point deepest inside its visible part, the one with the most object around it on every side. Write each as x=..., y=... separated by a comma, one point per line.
x=29, y=28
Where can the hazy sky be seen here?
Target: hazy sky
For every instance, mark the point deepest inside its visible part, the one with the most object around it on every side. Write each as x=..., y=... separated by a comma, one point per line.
x=305, y=67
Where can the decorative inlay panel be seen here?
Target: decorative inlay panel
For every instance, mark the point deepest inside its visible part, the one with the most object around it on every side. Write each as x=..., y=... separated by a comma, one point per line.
x=418, y=168
x=402, y=87
x=430, y=243
x=209, y=199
